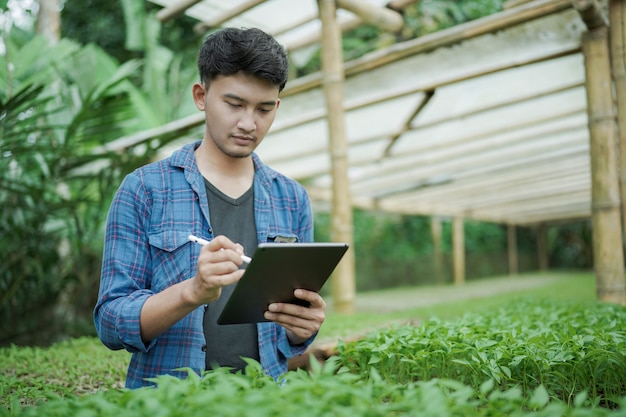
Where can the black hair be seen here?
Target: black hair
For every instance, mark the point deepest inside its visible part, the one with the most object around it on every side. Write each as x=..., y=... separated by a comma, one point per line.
x=251, y=51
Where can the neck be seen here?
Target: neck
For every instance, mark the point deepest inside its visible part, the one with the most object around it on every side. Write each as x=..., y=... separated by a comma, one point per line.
x=232, y=176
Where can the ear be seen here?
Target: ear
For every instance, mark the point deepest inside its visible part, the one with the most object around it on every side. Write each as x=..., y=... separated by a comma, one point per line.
x=277, y=103
x=199, y=92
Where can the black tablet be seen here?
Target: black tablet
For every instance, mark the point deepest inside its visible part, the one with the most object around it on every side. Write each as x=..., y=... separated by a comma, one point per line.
x=276, y=270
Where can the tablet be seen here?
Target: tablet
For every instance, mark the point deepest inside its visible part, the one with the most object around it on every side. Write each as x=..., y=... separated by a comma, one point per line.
x=276, y=270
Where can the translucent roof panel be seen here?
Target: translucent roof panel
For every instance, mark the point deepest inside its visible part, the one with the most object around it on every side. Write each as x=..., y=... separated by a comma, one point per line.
x=491, y=127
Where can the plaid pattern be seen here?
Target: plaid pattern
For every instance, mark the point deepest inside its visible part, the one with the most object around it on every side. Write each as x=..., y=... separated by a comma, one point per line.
x=146, y=250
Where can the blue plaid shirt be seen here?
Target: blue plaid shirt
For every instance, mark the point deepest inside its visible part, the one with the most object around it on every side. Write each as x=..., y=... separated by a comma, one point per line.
x=146, y=250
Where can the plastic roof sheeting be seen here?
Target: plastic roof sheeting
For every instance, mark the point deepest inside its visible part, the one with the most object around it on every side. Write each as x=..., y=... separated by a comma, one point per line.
x=492, y=128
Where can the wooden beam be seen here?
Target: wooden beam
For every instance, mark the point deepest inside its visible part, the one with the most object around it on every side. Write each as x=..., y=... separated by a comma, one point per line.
x=427, y=43
x=350, y=105
x=344, y=282
x=472, y=164
x=231, y=12
x=512, y=249
x=617, y=43
x=175, y=10
x=125, y=142
x=511, y=179
x=605, y=206
x=348, y=23
x=542, y=248
x=591, y=13
x=436, y=235
x=304, y=83
x=458, y=248
x=382, y=17
x=400, y=5
x=345, y=25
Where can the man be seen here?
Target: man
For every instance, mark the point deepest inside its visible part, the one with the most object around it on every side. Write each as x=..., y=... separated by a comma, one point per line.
x=160, y=295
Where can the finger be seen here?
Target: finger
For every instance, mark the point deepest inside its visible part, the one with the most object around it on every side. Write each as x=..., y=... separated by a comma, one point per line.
x=315, y=300
x=222, y=242
x=221, y=255
x=295, y=315
x=302, y=328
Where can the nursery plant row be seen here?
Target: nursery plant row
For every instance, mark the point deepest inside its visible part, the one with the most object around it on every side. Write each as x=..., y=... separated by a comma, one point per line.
x=532, y=358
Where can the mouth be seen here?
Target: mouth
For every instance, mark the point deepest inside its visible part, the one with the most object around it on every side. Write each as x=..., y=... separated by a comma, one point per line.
x=243, y=139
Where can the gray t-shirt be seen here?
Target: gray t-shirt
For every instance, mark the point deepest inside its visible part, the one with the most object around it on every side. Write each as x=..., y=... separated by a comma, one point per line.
x=226, y=344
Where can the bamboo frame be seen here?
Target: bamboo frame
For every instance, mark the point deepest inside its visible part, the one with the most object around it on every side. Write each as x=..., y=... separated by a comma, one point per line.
x=175, y=9
x=431, y=86
x=349, y=23
x=343, y=283
x=436, y=234
x=381, y=17
x=420, y=45
x=458, y=247
x=617, y=42
x=542, y=248
x=427, y=43
x=512, y=249
x=398, y=161
x=229, y=14
x=606, y=216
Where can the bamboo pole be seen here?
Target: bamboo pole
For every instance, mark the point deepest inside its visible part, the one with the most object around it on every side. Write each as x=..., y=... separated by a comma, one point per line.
x=231, y=12
x=605, y=198
x=617, y=43
x=381, y=17
x=175, y=9
x=346, y=24
x=542, y=249
x=343, y=282
x=435, y=231
x=512, y=249
x=458, y=243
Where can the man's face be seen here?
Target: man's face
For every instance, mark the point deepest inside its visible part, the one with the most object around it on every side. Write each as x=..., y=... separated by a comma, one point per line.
x=239, y=110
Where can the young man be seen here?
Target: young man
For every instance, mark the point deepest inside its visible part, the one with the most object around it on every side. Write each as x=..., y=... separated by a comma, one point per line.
x=160, y=295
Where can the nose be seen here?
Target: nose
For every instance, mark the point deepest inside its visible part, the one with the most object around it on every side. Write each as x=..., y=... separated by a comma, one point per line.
x=246, y=122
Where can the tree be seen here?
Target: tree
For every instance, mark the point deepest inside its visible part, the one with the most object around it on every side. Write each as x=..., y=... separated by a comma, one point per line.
x=57, y=104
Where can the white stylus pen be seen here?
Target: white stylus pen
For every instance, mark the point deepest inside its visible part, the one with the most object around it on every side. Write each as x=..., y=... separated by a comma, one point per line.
x=203, y=242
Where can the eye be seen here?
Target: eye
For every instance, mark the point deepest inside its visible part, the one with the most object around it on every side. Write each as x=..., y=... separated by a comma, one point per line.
x=234, y=105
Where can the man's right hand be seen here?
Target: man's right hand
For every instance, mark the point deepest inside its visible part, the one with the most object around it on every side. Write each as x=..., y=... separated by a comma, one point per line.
x=218, y=266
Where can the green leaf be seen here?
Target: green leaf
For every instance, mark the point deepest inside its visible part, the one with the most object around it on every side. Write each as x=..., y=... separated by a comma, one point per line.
x=580, y=398
x=539, y=398
x=487, y=386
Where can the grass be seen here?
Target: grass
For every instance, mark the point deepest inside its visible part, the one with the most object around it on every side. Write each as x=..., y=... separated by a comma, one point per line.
x=84, y=365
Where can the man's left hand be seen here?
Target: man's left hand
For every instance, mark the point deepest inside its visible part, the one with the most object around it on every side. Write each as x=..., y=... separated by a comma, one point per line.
x=300, y=322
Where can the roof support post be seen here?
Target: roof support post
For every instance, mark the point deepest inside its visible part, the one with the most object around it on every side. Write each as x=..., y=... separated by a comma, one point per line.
x=458, y=248
x=436, y=232
x=605, y=190
x=512, y=248
x=617, y=43
x=542, y=249
x=343, y=282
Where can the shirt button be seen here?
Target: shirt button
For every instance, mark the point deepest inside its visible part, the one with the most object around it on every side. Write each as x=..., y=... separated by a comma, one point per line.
x=204, y=348
x=210, y=230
